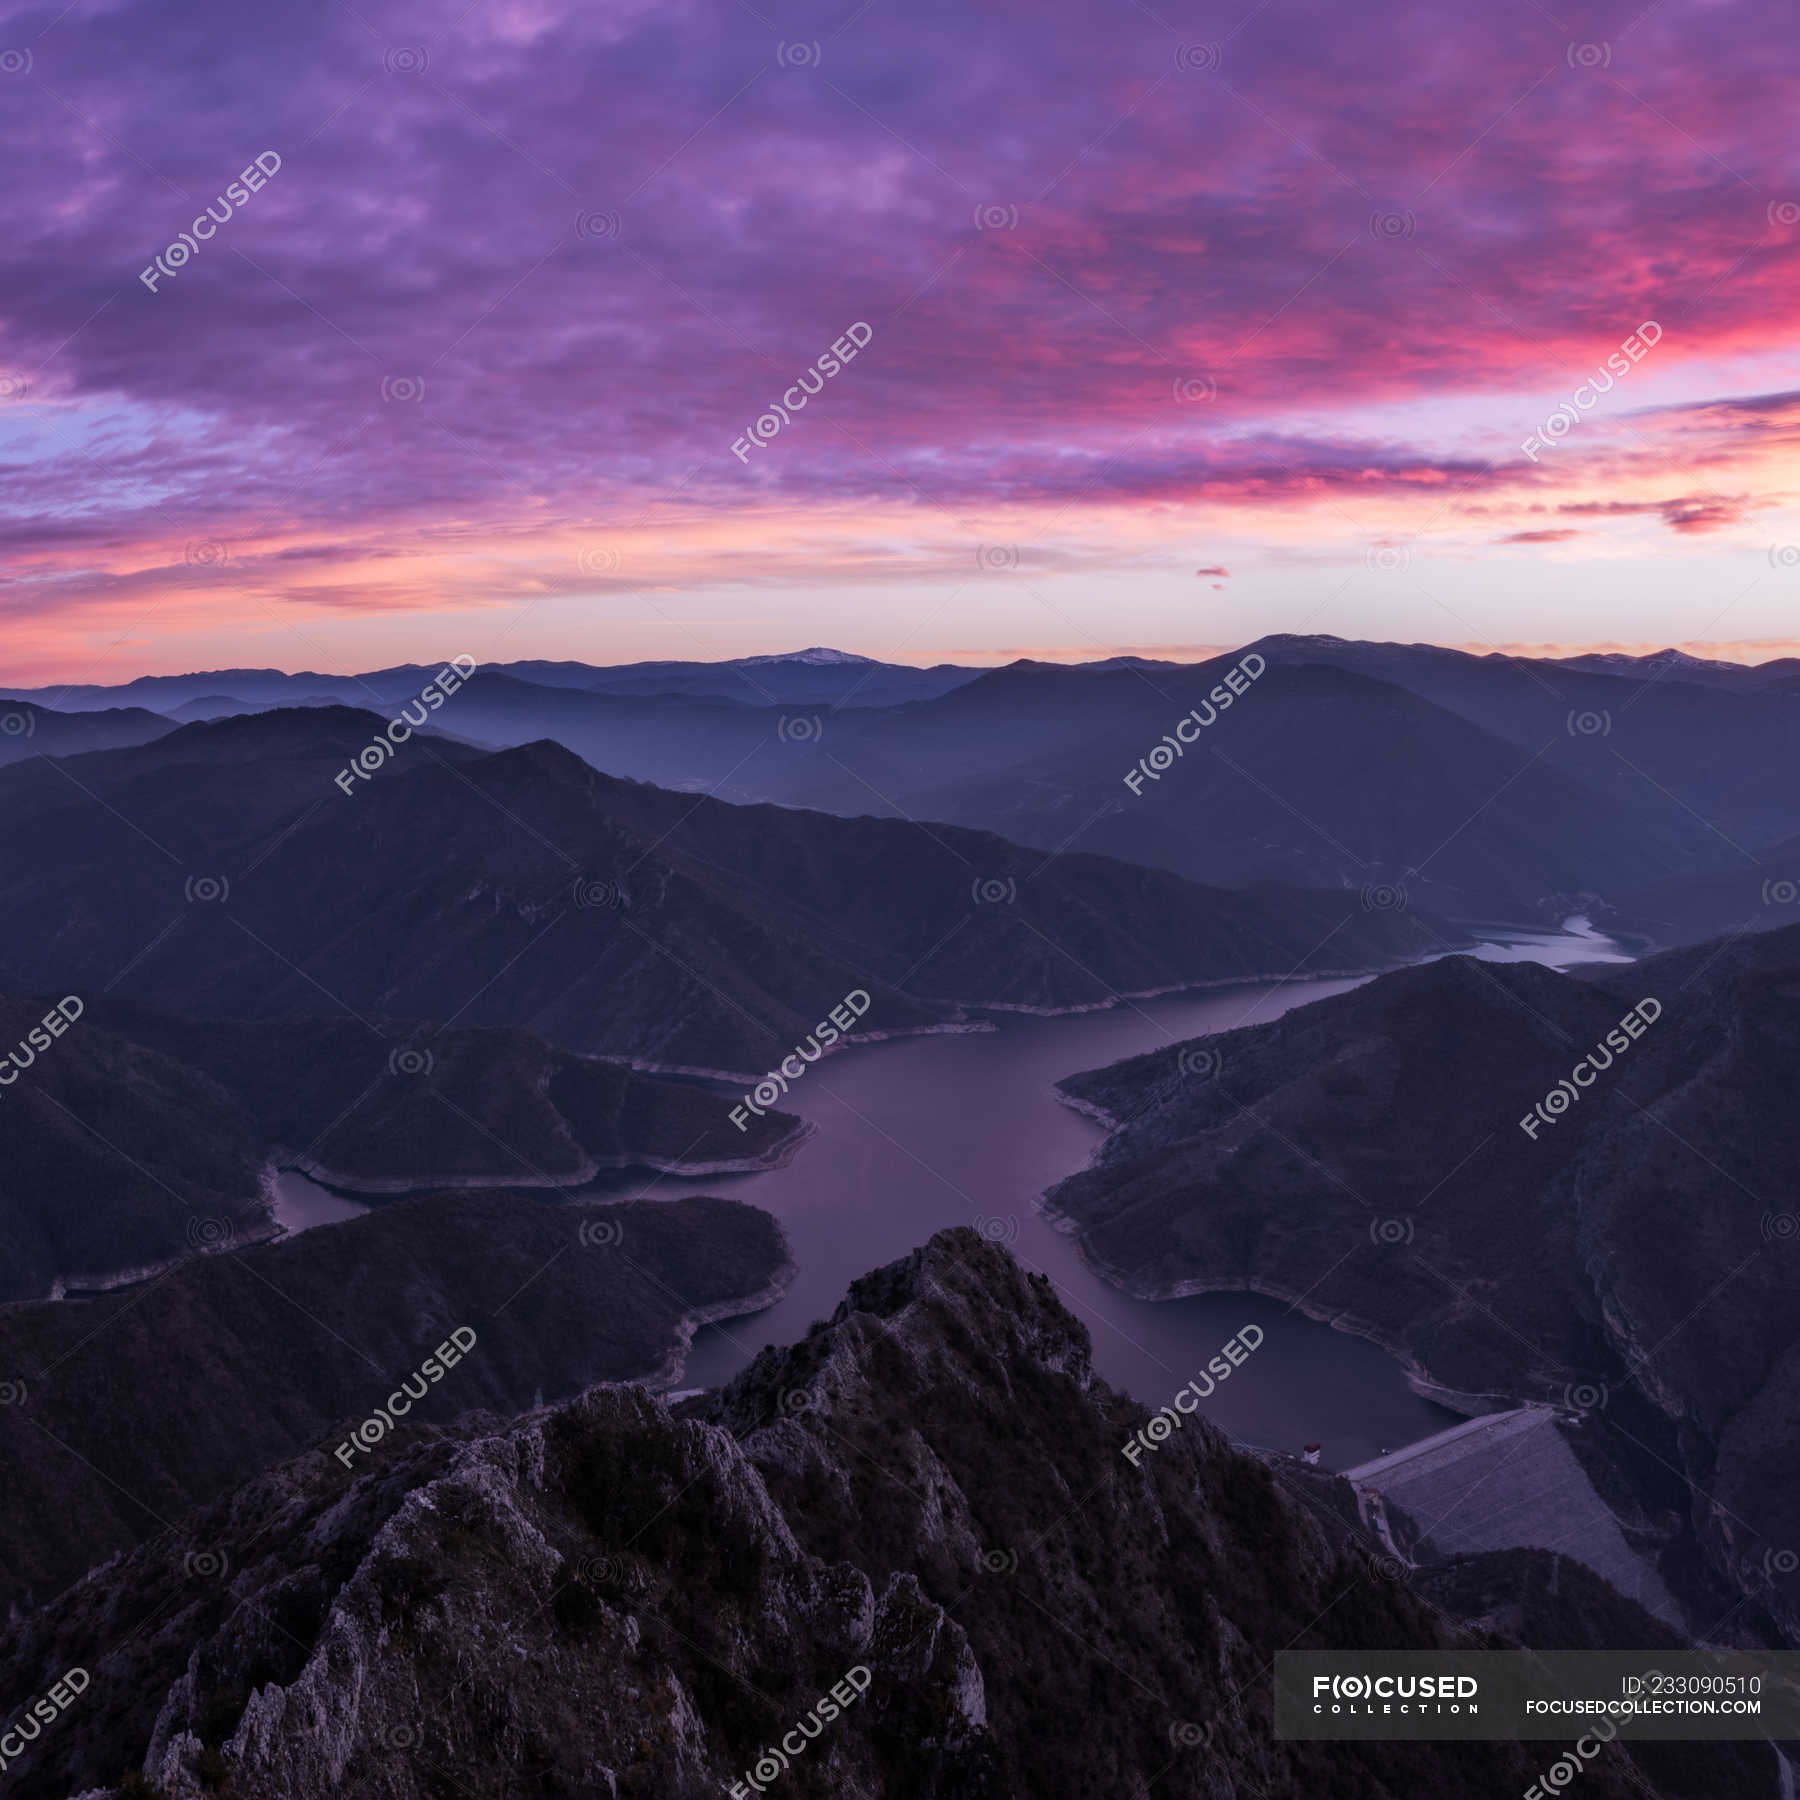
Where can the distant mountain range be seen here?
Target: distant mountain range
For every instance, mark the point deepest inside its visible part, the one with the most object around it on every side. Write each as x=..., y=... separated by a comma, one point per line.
x=1688, y=909
x=223, y=872
x=1709, y=671
x=1666, y=737
x=815, y=677
x=1460, y=1161
x=30, y=730
x=591, y=919
x=1486, y=787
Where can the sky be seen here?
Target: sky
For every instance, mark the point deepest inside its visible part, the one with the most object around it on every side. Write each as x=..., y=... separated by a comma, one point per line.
x=1160, y=326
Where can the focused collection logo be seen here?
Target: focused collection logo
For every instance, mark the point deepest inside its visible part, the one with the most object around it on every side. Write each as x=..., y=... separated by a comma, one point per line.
x=1355, y=1694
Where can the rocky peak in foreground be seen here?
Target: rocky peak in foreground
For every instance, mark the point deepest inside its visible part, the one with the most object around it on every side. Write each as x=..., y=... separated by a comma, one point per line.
x=921, y=1509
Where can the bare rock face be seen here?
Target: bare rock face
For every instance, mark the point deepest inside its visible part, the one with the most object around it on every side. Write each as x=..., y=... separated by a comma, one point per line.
x=902, y=1558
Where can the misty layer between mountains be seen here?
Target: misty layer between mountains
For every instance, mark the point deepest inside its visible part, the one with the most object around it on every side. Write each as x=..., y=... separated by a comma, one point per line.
x=516, y=994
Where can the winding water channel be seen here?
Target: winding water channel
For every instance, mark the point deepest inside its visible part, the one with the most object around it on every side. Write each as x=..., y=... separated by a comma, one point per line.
x=921, y=1133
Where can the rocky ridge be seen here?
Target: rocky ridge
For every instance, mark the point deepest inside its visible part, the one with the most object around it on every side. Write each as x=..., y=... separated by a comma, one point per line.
x=925, y=1498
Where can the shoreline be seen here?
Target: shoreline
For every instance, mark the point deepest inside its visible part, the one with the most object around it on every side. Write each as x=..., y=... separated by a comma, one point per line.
x=79, y=1287
x=1211, y=986
x=1492, y=933
x=1418, y=1378
x=356, y=1187
x=667, y=1374
x=737, y=1077
x=1197, y=985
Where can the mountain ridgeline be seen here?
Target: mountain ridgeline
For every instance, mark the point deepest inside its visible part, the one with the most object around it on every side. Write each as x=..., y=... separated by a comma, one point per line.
x=136, y=1139
x=569, y=930
x=221, y=872
x=1460, y=1161
x=920, y=1508
x=1486, y=787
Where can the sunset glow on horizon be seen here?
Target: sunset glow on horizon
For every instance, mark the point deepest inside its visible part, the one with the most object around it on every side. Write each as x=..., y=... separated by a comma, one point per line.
x=1154, y=333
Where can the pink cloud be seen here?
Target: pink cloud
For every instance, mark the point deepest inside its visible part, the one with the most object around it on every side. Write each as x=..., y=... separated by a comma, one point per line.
x=598, y=245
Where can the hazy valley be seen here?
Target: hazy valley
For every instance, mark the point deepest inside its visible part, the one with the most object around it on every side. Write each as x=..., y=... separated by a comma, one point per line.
x=558, y=1037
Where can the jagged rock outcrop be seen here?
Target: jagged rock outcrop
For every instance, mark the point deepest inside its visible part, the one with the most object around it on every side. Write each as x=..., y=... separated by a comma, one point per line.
x=922, y=1507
